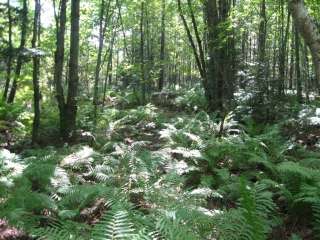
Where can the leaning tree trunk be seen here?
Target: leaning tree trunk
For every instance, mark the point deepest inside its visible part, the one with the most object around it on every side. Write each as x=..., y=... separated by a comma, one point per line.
x=309, y=31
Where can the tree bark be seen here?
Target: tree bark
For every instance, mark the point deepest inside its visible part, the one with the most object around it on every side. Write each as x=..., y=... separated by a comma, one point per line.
x=219, y=72
x=9, y=63
x=291, y=72
x=262, y=48
x=283, y=50
x=298, y=73
x=143, y=81
x=309, y=31
x=36, y=72
x=24, y=28
x=59, y=62
x=162, y=47
x=197, y=35
x=71, y=105
x=99, y=58
x=192, y=43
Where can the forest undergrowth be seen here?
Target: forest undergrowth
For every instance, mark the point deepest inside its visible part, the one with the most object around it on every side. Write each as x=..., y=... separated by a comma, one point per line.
x=158, y=173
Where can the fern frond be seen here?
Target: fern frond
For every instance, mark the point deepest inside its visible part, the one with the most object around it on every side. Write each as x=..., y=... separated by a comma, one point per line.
x=316, y=220
x=62, y=230
x=231, y=225
x=114, y=225
x=251, y=221
x=296, y=169
x=145, y=235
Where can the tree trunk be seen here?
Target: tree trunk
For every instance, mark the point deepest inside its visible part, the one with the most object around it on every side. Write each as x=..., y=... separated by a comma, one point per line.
x=98, y=65
x=36, y=72
x=298, y=74
x=306, y=74
x=108, y=76
x=309, y=31
x=291, y=72
x=261, y=81
x=59, y=62
x=24, y=27
x=193, y=45
x=9, y=63
x=197, y=35
x=283, y=50
x=162, y=47
x=71, y=106
x=219, y=72
x=143, y=81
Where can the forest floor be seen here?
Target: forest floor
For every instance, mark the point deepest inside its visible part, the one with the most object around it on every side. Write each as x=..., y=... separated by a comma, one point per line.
x=158, y=173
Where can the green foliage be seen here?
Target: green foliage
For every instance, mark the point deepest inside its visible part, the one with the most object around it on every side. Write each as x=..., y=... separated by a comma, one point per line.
x=316, y=221
x=252, y=220
x=192, y=99
x=10, y=112
x=62, y=230
x=114, y=225
x=158, y=176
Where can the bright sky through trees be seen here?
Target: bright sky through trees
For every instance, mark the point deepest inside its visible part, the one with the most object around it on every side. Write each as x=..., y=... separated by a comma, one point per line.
x=47, y=13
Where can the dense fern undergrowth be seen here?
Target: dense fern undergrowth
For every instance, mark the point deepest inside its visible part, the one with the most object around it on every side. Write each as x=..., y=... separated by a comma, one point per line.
x=157, y=173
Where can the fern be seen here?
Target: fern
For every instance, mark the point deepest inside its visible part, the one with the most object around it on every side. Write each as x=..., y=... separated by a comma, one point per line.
x=296, y=169
x=173, y=228
x=115, y=224
x=251, y=221
x=62, y=230
x=231, y=225
x=316, y=221
x=308, y=194
x=145, y=235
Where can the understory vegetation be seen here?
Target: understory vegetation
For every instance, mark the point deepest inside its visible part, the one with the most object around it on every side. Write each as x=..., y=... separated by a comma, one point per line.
x=151, y=173
x=159, y=120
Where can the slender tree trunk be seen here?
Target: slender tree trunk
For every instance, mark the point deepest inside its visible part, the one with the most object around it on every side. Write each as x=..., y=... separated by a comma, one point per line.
x=309, y=31
x=24, y=28
x=162, y=47
x=36, y=72
x=262, y=48
x=283, y=51
x=197, y=35
x=143, y=81
x=99, y=59
x=59, y=62
x=71, y=105
x=193, y=45
x=9, y=63
x=292, y=57
x=109, y=67
x=122, y=29
x=306, y=72
x=298, y=74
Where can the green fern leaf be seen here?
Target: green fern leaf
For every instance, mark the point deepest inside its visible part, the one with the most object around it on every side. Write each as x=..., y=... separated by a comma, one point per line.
x=114, y=225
